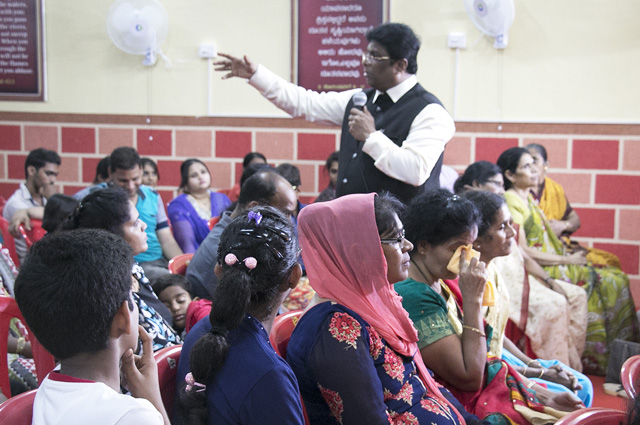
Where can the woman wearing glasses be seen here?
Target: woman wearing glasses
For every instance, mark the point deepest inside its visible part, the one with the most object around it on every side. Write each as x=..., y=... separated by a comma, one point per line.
x=354, y=350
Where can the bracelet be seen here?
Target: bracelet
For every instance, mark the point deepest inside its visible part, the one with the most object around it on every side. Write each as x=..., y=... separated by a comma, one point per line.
x=530, y=384
x=20, y=345
x=531, y=361
x=524, y=372
x=476, y=330
x=547, y=281
x=541, y=373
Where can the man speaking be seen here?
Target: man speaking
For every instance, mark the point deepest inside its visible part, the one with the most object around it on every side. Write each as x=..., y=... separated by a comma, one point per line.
x=396, y=141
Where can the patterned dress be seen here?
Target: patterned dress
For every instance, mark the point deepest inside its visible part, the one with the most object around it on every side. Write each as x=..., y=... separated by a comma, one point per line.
x=348, y=374
x=611, y=309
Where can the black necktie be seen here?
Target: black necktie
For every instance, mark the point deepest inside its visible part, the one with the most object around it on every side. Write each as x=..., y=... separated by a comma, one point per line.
x=383, y=102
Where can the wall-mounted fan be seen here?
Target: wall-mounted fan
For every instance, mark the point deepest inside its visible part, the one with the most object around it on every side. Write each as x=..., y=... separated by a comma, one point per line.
x=138, y=27
x=493, y=18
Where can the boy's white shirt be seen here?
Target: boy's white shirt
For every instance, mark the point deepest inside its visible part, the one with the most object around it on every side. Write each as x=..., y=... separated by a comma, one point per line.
x=71, y=403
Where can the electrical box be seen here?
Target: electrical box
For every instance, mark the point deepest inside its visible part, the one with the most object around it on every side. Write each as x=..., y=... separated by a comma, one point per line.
x=457, y=40
x=207, y=51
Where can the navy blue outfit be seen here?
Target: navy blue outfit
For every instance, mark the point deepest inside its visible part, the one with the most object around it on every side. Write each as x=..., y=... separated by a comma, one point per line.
x=254, y=386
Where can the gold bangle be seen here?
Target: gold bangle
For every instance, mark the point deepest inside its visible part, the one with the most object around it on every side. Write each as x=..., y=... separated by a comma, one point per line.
x=541, y=373
x=524, y=372
x=531, y=361
x=20, y=345
x=476, y=330
x=530, y=384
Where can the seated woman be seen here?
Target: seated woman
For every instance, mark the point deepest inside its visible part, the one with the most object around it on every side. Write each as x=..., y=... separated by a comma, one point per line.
x=231, y=372
x=611, y=308
x=455, y=346
x=561, y=217
x=111, y=210
x=354, y=350
x=190, y=212
x=552, y=314
x=150, y=174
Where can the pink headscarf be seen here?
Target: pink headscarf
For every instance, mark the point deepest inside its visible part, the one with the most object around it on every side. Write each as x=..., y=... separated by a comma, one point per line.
x=344, y=261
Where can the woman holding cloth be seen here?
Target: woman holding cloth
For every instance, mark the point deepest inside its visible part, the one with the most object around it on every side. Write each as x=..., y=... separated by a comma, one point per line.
x=453, y=345
x=354, y=350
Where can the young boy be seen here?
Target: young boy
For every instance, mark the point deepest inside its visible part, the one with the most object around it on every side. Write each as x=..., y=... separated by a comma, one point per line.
x=174, y=291
x=74, y=291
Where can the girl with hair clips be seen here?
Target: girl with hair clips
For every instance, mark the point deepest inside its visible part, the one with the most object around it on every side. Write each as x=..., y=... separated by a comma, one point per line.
x=229, y=373
x=191, y=211
x=454, y=345
x=611, y=309
x=549, y=315
x=354, y=350
x=110, y=209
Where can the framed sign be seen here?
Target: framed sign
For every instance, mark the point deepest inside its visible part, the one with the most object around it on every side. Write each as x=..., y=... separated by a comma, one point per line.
x=22, y=74
x=329, y=39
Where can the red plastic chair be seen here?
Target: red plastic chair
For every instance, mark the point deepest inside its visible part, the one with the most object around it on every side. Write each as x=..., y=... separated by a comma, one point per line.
x=281, y=330
x=630, y=376
x=279, y=337
x=8, y=241
x=43, y=359
x=213, y=221
x=167, y=360
x=595, y=416
x=179, y=263
x=18, y=410
x=34, y=235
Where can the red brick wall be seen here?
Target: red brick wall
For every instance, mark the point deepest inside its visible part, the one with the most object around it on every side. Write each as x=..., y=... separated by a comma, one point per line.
x=599, y=165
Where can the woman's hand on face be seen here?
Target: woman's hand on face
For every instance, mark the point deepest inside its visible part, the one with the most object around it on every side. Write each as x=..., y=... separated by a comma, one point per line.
x=578, y=258
x=563, y=377
x=473, y=277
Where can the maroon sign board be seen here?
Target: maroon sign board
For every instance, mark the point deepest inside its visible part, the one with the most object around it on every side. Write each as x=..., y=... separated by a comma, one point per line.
x=21, y=50
x=330, y=37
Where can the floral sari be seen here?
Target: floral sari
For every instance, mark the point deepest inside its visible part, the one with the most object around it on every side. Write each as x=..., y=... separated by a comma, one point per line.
x=611, y=309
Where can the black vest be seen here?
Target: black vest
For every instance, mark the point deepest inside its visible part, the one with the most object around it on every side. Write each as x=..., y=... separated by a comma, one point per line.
x=357, y=172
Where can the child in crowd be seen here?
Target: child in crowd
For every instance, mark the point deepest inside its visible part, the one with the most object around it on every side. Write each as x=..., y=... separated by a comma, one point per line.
x=74, y=290
x=174, y=290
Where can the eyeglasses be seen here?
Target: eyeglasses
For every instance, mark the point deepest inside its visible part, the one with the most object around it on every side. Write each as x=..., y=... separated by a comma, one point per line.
x=397, y=240
x=369, y=57
x=496, y=183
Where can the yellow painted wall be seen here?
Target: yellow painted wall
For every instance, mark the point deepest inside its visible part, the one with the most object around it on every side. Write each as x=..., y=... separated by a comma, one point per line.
x=567, y=60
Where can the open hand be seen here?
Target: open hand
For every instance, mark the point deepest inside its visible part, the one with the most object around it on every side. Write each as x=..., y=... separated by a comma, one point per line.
x=236, y=67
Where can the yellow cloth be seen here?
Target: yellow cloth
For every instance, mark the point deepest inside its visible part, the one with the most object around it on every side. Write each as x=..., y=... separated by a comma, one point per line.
x=553, y=200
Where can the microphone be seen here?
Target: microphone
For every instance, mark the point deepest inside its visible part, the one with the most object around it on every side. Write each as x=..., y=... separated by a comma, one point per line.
x=359, y=100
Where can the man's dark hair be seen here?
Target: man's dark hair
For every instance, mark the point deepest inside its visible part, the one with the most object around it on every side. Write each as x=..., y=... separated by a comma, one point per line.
x=124, y=158
x=70, y=287
x=260, y=187
x=166, y=280
x=399, y=41
x=290, y=172
x=102, y=170
x=254, y=168
x=39, y=158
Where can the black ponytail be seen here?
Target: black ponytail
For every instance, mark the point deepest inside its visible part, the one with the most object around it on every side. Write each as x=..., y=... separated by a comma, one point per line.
x=242, y=288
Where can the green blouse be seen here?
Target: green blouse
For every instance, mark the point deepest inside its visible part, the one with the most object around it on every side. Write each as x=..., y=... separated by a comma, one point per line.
x=427, y=309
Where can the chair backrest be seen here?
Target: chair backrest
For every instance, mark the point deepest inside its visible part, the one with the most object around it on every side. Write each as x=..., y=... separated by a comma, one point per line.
x=18, y=410
x=8, y=241
x=167, y=360
x=43, y=359
x=281, y=330
x=630, y=376
x=34, y=235
x=595, y=416
x=179, y=264
x=212, y=222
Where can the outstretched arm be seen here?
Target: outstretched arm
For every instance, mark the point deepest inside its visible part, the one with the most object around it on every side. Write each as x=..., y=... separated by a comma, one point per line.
x=235, y=67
